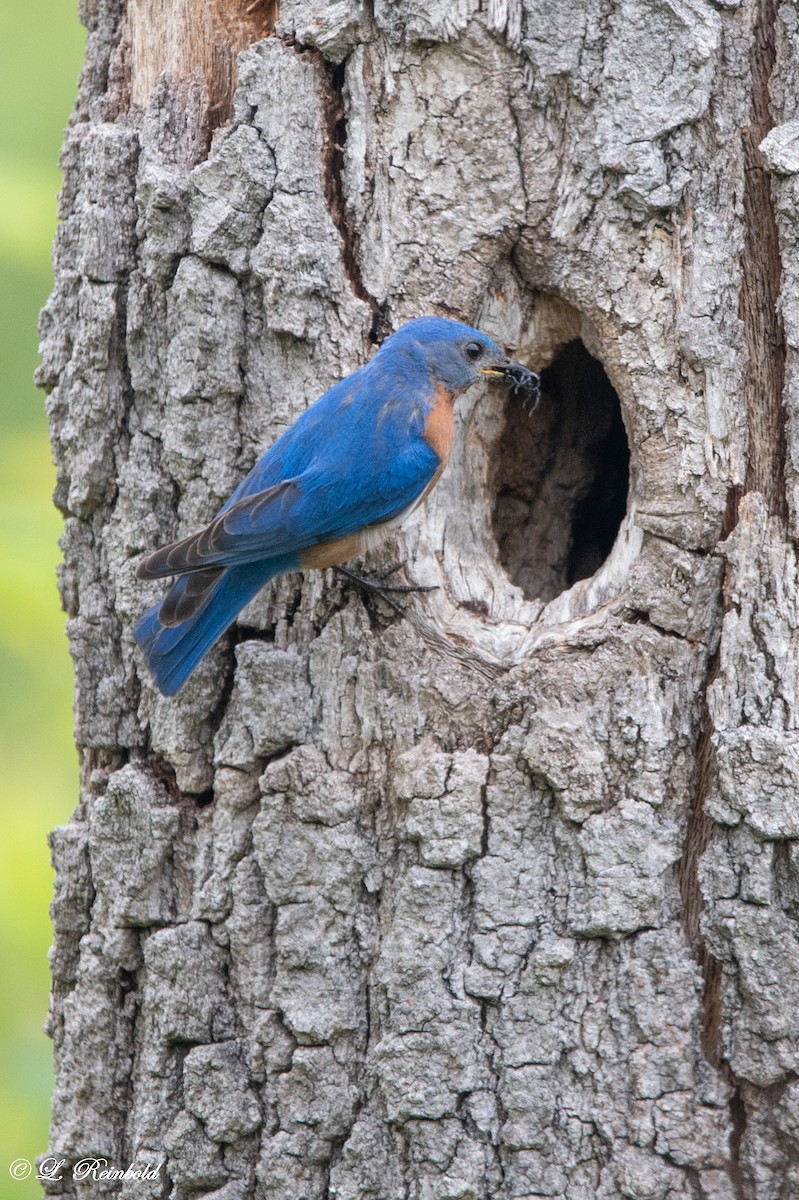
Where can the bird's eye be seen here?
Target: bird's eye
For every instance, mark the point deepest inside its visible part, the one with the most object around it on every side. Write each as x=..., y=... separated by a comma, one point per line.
x=473, y=350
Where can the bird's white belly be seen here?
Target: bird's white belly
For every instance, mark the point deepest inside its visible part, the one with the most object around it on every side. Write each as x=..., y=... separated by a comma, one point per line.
x=374, y=535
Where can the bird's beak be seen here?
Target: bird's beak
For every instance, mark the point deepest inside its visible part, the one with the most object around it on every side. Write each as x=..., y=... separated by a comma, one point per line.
x=525, y=383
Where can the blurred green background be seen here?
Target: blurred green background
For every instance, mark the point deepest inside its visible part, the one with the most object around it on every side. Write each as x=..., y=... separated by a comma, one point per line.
x=41, y=49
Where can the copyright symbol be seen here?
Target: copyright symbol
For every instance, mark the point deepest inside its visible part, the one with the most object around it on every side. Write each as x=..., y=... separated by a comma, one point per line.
x=20, y=1168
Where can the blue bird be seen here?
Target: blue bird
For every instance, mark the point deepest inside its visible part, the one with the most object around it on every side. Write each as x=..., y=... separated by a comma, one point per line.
x=353, y=466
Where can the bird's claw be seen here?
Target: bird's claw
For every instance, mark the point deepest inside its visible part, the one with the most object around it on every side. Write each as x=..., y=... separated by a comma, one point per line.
x=376, y=584
x=383, y=574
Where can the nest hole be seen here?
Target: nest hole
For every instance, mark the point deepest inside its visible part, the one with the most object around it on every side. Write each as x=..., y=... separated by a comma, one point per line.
x=560, y=477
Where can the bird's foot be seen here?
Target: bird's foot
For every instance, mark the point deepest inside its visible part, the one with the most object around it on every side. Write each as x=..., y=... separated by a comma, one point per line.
x=377, y=580
x=376, y=584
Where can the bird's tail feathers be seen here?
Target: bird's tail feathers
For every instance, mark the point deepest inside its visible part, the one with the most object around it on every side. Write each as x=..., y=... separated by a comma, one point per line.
x=172, y=651
x=187, y=594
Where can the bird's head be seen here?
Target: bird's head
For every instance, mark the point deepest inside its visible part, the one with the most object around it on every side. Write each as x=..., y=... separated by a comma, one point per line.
x=456, y=355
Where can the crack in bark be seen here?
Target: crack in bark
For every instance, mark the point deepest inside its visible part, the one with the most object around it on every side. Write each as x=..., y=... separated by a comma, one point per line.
x=335, y=117
x=763, y=386
x=698, y=835
x=738, y=1118
x=764, y=379
x=764, y=382
x=765, y=472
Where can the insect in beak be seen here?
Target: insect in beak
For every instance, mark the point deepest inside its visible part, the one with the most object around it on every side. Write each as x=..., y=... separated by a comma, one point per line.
x=524, y=382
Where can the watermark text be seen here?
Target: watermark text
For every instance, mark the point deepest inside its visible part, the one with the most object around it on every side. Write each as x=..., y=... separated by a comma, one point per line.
x=98, y=1169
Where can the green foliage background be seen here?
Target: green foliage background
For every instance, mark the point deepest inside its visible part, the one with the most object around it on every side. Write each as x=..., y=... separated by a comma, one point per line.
x=41, y=48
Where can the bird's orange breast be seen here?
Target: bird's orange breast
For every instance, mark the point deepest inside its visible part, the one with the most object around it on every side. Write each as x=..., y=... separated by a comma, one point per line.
x=440, y=424
x=330, y=554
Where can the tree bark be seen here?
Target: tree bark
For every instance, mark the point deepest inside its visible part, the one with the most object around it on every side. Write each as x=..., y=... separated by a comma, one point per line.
x=499, y=899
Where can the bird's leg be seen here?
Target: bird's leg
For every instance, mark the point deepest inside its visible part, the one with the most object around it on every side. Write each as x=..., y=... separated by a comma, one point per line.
x=376, y=583
x=383, y=574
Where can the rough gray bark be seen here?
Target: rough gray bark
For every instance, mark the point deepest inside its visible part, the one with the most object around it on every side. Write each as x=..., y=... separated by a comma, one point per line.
x=500, y=900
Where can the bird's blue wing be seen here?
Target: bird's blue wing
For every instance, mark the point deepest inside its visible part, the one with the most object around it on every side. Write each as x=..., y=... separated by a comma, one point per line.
x=373, y=414
x=296, y=448
x=320, y=506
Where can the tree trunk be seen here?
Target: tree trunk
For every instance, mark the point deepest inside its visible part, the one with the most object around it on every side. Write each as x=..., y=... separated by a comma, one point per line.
x=499, y=899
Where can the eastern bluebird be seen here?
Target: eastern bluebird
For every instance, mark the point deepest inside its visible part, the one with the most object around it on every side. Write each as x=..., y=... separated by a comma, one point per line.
x=352, y=467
